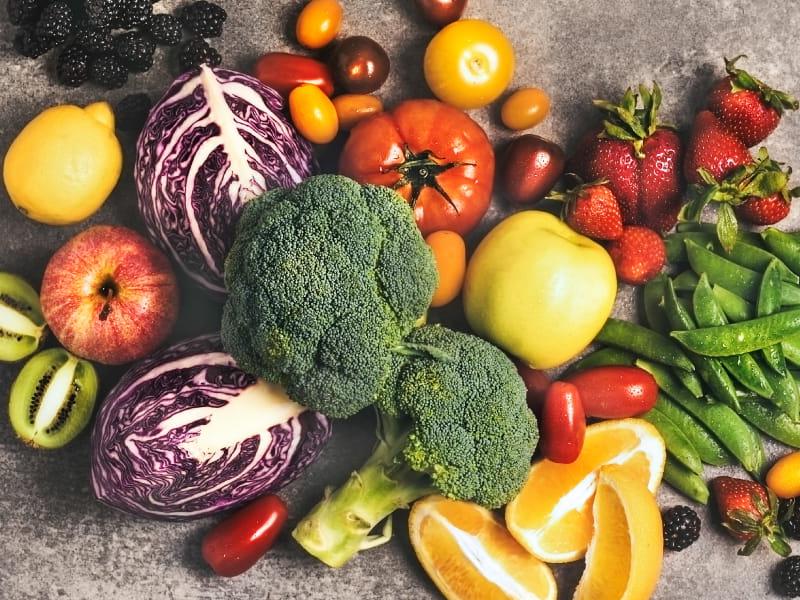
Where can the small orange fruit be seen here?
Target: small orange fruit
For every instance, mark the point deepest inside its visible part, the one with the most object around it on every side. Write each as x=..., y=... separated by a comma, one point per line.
x=469, y=555
x=784, y=476
x=450, y=254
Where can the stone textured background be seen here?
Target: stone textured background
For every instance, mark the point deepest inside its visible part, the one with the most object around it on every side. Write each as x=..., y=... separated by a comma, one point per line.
x=57, y=542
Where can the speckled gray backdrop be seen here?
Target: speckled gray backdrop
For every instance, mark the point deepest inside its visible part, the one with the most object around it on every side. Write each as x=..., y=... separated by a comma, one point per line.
x=57, y=542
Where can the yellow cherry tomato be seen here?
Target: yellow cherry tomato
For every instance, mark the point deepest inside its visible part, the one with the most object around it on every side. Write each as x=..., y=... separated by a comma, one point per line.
x=525, y=108
x=784, y=476
x=469, y=63
x=313, y=114
x=318, y=23
x=353, y=108
x=450, y=254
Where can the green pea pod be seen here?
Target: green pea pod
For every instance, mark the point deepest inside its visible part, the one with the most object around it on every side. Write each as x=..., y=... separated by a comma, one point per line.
x=734, y=306
x=690, y=381
x=676, y=249
x=685, y=281
x=786, y=396
x=652, y=297
x=685, y=481
x=783, y=245
x=772, y=421
x=736, y=435
x=738, y=338
x=710, y=370
x=791, y=349
x=768, y=303
x=602, y=358
x=707, y=446
x=711, y=228
x=643, y=342
x=676, y=442
x=739, y=280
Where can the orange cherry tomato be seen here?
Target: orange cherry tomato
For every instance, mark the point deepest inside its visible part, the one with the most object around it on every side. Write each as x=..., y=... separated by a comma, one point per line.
x=784, y=476
x=450, y=254
x=353, y=108
x=313, y=114
x=318, y=23
x=525, y=108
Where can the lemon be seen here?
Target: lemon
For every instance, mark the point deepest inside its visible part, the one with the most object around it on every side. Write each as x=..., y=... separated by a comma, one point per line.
x=64, y=164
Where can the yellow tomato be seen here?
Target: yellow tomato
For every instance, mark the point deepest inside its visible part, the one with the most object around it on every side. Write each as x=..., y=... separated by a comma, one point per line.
x=469, y=63
x=354, y=108
x=784, y=476
x=318, y=23
x=450, y=254
x=313, y=114
x=525, y=108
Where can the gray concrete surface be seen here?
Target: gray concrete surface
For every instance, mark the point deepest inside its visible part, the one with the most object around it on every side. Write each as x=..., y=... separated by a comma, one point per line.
x=57, y=542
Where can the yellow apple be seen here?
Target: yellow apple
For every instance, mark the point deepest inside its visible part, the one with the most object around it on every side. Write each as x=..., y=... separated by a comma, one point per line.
x=538, y=289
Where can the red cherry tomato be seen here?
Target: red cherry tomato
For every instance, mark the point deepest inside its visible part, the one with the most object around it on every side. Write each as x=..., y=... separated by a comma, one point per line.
x=434, y=155
x=283, y=72
x=563, y=425
x=537, y=383
x=236, y=543
x=615, y=392
x=531, y=166
x=442, y=12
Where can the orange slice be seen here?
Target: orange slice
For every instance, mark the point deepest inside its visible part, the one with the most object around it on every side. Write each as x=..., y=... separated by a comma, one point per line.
x=624, y=559
x=552, y=515
x=469, y=555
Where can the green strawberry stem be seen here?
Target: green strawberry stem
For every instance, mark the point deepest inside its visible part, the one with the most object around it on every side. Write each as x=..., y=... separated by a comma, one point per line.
x=627, y=121
x=742, y=80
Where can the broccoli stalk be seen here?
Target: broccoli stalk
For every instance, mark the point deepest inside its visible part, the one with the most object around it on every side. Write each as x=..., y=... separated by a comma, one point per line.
x=341, y=525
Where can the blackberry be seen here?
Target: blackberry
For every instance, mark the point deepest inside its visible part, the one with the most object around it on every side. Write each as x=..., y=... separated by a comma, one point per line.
x=681, y=528
x=56, y=23
x=108, y=71
x=102, y=13
x=95, y=40
x=195, y=52
x=135, y=51
x=72, y=66
x=23, y=12
x=134, y=13
x=204, y=18
x=791, y=520
x=165, y=30
x=132, y=111
x=787, y=577
x=26, y=43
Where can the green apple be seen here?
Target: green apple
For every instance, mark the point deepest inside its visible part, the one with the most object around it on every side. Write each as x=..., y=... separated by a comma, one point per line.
x=538, y=289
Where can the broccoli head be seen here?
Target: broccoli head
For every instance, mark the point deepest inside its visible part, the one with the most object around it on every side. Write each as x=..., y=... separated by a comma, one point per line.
x=324, y=281
x=456, y=423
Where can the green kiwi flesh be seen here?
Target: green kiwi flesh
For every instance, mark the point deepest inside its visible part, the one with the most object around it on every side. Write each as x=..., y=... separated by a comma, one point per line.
x=21, y=321
x=52, y=399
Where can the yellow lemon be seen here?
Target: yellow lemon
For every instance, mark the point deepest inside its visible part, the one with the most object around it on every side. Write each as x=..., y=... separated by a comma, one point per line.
x=64, y=164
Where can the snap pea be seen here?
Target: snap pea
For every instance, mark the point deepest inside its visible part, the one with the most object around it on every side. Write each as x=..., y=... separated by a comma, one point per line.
x=791, y=349
x=676, y=442
x=707, y=446
x=676, y=249
x=735, y=307
x=602, y=358
x=738, y=338
x=783, y=245
x=785, y=395
x=685, y=481
x=743, y=367
x=685, y=281
x=643, y=342
x=772, y=421
x=746, y=236
x=735, y=434
x=768, y=303
x=710, y=370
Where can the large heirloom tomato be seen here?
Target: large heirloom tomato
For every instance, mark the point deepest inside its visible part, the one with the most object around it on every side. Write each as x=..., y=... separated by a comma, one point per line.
x=434, y=155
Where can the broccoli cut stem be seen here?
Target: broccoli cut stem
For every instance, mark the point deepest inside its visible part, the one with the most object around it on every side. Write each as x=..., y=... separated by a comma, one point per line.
x=342, y=523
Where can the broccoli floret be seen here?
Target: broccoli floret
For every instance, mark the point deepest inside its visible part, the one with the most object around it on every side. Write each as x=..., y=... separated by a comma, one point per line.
x=324, y=281
x=457, y=423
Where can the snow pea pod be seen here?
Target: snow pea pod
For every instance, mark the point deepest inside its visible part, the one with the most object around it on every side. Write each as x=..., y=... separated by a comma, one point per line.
x=768, y=303
x=783, y=245
x=732, y=431
x=685, y=481
x=685, y=281
x=738, y=338
x=602, y=358
x=786, y=396
x=791, y=349
x=676, y=442
x=772, y=421
x=739, y=280
x=709, y=449
x=743, y=367
x=711, y=228
x=643, y=342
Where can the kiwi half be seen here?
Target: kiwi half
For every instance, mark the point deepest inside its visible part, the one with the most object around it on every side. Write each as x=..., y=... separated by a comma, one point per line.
x=21, y=321
x=52, y=399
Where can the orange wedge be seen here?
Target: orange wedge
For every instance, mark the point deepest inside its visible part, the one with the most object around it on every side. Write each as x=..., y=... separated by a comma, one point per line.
x=624, y=559
x=552, y=515
x=469, y=555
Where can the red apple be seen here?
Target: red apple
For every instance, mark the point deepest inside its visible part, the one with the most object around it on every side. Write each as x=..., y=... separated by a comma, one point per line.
x=109, y=295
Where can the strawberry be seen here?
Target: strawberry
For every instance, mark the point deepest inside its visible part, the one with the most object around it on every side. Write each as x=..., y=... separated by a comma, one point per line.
x=713, y=148
x=638, y=157
x=764, y=211
x=639, y=255
x=592, y=210
x=750, y=513
x=746, y=106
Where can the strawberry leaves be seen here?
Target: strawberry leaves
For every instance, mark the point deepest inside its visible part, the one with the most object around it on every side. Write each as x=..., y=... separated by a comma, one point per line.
x=628, y=121
x=742, y=80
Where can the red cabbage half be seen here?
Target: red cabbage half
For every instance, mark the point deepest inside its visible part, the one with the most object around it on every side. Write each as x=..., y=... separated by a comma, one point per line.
x=186, y=433
x=216, y=139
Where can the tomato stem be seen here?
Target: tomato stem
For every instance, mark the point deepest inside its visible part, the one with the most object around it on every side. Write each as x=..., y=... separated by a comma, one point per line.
x=420, y=171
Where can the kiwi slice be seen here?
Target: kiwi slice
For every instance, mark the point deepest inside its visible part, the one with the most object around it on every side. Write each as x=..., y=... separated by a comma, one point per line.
x=21, y=321
x=52, y=399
